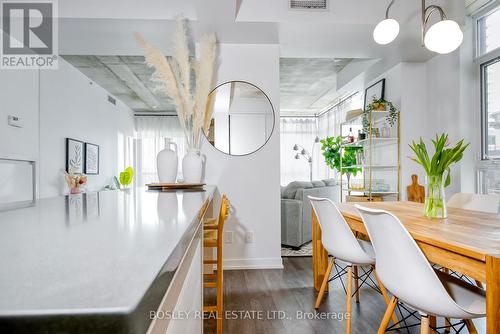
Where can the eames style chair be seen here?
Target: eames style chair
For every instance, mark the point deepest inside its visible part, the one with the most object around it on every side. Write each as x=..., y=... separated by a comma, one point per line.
x=474, y=202
x=407, y=274
x=340, y=242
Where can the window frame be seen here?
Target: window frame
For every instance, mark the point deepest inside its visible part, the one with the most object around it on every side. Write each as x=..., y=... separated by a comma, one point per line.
x=482, y=61
x=484, y=108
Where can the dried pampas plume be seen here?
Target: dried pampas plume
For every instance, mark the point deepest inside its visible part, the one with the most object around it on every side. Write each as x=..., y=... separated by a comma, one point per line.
x=173, y=76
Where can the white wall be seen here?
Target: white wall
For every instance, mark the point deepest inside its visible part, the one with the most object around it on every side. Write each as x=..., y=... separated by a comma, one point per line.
x=53, y=105
x=72, y=106
x=434, y=98
x=19, y=97
x=251, y=182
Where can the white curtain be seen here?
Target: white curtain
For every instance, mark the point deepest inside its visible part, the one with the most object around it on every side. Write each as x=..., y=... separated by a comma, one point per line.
x=303, y=131
x=151, y=132
x=300, y=131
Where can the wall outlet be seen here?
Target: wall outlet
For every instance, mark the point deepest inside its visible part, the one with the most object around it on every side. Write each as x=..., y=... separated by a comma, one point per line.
x=228, y=237
x=249, y=237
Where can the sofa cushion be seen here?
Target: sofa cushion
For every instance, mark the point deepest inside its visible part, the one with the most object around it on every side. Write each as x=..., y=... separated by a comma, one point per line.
x=317, y=184
x=331, y=182
x=291, y=189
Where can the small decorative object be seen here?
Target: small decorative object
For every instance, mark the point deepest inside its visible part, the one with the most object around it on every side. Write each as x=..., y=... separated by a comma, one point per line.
x=173, y=76
x=167, y=163
x=386, y=131
x=127, y=176
x=435, y=168
x=75, y=181
x=374, y=93
x=91, y=159
x=74, y=156
x=331, y=151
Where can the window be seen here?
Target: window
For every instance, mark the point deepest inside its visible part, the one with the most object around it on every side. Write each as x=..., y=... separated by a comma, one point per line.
x=488, y=28
x=490, y=88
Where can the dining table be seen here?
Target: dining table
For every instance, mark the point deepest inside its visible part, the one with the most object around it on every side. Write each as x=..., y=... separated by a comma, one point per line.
x=467, y=242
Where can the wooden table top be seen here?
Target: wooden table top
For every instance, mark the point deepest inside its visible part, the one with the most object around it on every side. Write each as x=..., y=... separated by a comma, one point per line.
x=470, y=233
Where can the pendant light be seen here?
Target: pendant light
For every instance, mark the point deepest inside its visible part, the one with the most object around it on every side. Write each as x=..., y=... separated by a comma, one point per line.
x=386, y=30
x=443, y=37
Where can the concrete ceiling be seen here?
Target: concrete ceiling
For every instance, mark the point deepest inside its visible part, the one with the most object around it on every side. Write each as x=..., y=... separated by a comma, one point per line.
x=308, y=85
x=344, y=31
x=126, y=78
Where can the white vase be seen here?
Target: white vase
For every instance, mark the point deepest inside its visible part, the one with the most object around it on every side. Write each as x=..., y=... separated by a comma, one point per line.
x=167, y=163
x=192, y=166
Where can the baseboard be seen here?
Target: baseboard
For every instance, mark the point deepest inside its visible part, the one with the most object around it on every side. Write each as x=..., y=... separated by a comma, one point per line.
x=253, y=263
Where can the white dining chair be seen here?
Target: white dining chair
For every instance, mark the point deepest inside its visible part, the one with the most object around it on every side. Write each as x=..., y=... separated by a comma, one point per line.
x=474, y=202
x=340, y=242
x=406, y=273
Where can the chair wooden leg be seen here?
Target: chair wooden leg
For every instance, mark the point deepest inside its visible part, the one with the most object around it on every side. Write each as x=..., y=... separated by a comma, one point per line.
x=356, y=283
x=324, y=284
x=349, y=300
x=391, y=305
x=470, y=326
x=424, y=325
x=432, y=321
x=387, y=300
x=220, y=290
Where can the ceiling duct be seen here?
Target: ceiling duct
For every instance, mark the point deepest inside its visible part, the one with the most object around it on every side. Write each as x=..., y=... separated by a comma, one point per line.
x=308, y=4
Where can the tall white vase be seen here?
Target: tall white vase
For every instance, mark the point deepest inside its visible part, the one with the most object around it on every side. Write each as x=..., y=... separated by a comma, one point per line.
x=192, y=166
x=167, y=163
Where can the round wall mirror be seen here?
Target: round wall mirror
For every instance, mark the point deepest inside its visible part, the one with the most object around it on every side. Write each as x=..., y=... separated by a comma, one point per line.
x=242, y=120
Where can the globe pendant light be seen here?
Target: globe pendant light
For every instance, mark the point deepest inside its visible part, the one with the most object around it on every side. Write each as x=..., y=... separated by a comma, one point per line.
x=442, y=37
x=386, y=30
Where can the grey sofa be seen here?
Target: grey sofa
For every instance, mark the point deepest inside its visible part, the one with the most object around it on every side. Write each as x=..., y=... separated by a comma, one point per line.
x=296, y=210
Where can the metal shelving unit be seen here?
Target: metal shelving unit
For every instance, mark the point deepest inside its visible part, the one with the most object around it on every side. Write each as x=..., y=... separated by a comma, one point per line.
x=380, y=176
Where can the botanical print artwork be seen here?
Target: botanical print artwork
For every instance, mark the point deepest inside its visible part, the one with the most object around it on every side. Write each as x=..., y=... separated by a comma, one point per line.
x=91, y=159
x=74, y=156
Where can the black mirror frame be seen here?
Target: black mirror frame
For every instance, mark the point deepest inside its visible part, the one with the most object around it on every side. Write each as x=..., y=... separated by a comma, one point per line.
x=272, y=129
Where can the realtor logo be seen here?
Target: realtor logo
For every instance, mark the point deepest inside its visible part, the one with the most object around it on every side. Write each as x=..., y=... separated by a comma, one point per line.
x=29, y=37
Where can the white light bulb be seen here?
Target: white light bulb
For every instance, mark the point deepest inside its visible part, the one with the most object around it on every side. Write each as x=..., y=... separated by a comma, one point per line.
x=386, y=31
x=443, y=37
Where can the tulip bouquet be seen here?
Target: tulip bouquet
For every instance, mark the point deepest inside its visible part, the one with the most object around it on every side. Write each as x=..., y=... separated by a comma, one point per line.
x=444, y=156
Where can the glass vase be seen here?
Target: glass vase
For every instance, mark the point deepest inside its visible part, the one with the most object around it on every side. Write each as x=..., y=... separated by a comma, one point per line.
x=435, y=201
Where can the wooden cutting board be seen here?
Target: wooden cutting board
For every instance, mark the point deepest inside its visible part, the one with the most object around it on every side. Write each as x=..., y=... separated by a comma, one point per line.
x=175, y=186
x=415, y=192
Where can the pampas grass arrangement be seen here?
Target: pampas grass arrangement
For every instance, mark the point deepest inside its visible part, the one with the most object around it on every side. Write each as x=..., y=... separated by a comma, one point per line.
x=173, y=76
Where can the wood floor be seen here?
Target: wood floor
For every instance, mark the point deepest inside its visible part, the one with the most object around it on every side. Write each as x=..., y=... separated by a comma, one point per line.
x=255, y=301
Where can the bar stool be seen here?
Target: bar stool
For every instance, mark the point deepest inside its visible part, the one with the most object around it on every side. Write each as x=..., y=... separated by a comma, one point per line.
x=212, y=238
x=341, y=244
x=406, y=273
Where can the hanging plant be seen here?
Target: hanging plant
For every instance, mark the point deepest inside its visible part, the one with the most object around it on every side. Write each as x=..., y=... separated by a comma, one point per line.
x=379, y=105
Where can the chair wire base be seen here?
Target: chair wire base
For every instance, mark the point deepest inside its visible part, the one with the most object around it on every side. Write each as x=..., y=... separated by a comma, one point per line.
x=411, y=314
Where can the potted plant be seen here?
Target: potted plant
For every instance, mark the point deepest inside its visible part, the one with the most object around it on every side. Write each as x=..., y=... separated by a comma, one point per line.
x=435, y=168
x=330, y=146
x=379, y=105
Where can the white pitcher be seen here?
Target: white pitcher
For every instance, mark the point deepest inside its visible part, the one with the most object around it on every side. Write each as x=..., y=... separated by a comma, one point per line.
x=192, y=166
x=167, y=163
